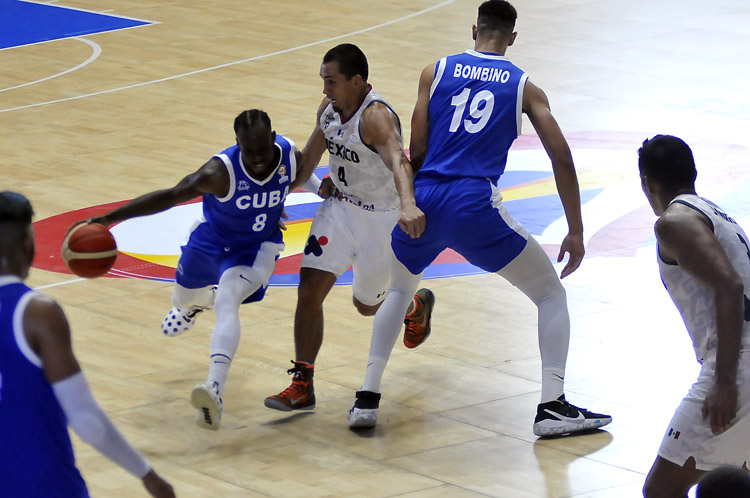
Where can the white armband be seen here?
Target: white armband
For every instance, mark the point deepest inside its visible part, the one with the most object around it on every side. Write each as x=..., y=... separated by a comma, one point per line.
x=93, y=426
x=312, y=184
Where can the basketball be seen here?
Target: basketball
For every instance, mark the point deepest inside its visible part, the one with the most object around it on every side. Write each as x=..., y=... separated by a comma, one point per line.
x=89, y=250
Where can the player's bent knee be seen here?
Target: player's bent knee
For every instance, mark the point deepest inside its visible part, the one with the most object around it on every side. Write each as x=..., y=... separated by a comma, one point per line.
x=182, y=297
x=545, y=289
x=365, y=309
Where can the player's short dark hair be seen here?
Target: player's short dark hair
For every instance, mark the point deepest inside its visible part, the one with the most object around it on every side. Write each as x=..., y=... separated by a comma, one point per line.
x=15, y=208
x=724, y=482
x=351, y=60
x=497, y=15
x=667, y=160
x=250, y=119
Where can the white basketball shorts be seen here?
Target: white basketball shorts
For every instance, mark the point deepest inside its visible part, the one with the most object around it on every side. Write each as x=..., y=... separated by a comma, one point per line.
x=689, y=435
x=344, y=235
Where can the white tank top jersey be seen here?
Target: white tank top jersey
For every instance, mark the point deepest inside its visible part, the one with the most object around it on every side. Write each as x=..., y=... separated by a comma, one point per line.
x=356, y=169
x=695, y=301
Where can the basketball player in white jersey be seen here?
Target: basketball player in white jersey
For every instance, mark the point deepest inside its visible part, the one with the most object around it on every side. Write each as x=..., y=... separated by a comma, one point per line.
x=232, y=250
x=42, y=388
x=704, y=261
x=371, y=187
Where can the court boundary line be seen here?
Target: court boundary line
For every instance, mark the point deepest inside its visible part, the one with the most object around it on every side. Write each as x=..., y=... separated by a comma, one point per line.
x=233, y=63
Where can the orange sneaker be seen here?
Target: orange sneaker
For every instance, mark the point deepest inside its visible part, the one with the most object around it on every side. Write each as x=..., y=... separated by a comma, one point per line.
x=417, y=323
x=300, y=395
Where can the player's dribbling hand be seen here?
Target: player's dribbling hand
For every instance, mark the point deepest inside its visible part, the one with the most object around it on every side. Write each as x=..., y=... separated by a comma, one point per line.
x=573, y=245
x=720, y=406
x=156, y=486
x=97, y=219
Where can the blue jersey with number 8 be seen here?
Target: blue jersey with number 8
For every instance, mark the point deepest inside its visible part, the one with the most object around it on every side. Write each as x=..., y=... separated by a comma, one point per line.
x=475, y=115
x=250, y=212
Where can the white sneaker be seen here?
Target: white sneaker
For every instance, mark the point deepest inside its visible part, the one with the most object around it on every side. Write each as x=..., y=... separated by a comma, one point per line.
x=206, y=400
x=178, y=320
x=364, y=413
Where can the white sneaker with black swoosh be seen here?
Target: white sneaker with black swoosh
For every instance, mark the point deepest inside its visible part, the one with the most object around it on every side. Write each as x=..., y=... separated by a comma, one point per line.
x=560, y=417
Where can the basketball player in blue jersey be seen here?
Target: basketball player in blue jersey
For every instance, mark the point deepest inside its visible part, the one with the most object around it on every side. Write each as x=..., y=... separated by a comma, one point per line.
x=371, y=183
x=467, y=115
x=232, y=251
x=704, y=262
x=42, y=388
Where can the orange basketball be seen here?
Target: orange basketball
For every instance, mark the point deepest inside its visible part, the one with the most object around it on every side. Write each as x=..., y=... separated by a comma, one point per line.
x=89, y=250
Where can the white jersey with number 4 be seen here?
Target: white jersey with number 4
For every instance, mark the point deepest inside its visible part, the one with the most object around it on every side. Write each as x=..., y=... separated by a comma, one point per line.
x=694, y=300
x=356, y=169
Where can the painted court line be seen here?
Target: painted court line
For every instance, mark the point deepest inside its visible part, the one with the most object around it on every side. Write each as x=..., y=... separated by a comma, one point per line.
x=96, y=52
x=229, y=64
x=58, y=284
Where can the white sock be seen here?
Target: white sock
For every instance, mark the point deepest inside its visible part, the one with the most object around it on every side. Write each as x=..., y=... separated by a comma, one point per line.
x=388, y=321
x=235, y=285
x=553, y=384
x=218, y=370
x=533, y=274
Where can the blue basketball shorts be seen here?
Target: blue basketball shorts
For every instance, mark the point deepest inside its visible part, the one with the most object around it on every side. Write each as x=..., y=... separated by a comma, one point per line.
x=466, y=215
x=202, y=263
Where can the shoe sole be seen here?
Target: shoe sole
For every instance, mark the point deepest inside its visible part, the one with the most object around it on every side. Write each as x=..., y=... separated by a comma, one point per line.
x=558, y=429
x=278, y=405
x=209, y=416
x=429, y=304
x=361, y=422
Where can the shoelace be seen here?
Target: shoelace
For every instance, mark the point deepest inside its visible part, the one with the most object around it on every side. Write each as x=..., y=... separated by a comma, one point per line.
x=411, y=326
x=295, y=384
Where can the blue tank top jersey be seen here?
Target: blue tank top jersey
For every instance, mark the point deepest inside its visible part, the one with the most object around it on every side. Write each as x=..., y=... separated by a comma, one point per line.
x=36, y=455
x=250, y=212
x=475, y=115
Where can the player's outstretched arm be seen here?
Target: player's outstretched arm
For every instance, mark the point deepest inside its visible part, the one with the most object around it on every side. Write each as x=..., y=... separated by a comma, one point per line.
x=211, y=178
x=536, y=107
x=684, y=237
x=380, y=129
x=47, y=331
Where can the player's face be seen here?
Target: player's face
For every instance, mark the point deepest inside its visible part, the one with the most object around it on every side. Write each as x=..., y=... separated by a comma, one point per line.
x=257, y=149
x=343, y=93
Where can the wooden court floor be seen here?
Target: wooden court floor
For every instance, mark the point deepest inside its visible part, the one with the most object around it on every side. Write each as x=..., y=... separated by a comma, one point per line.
x=92, y=119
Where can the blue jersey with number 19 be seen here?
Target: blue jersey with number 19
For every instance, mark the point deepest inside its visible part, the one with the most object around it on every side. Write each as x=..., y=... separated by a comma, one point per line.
x=475, y=115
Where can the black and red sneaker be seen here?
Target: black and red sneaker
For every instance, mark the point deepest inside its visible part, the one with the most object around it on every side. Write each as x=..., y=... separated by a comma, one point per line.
x=298, y=396
x=417, y=323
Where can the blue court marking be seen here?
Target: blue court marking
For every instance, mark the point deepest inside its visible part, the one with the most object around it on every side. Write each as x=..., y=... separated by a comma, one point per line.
x=24, y=23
